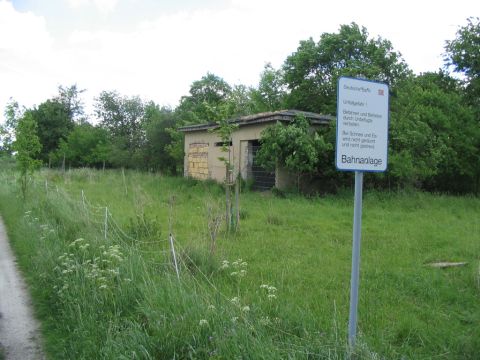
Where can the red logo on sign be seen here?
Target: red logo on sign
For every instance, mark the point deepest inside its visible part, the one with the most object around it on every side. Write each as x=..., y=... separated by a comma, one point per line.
x=380, y=92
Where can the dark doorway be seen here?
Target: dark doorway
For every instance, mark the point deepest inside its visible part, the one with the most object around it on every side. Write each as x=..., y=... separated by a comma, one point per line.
x=262, y=179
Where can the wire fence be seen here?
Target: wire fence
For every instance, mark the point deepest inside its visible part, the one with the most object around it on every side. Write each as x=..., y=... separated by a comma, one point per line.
x=155, y=250
x=163, y=251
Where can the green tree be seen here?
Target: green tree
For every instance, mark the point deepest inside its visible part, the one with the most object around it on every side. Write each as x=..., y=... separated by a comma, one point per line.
x=27, y=146
x=271, y=92
x=463, y=54
x=206, y=96
x=433, y=135
x=13, y=113
x=69, y=96
x=83, y=146
x=238, y=102
x=122, y=117
x=175, y=148
x=295, y=147
x=311, y=72
x=56, y=118
x=53, y=124
x=160, y=123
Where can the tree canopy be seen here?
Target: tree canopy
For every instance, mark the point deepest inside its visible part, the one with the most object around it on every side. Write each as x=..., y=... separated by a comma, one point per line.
x=206, y=96
x=53, y=124
x=434, y=139
x=27, y=146
x=463, y=54
x=295, y=147
x=311, y=73
x=431, y=131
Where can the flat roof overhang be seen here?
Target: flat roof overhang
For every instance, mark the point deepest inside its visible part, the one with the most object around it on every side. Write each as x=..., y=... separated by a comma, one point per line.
x=266, y=117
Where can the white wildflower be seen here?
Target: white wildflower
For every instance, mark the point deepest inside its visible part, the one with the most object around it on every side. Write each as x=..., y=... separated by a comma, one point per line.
x=234, y=319
x=203, y=322
x=211, y=307
x=237, y=262
x=246, y=308
x=235, y=301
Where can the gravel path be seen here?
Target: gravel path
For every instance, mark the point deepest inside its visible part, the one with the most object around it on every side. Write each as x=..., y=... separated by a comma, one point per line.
x=19, y=334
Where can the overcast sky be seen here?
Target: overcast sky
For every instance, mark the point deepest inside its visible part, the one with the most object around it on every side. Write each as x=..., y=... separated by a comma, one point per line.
x=157, y=48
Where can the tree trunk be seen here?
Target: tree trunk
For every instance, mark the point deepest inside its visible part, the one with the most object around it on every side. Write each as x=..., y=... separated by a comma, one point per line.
x=237, y=203
x=227, y=199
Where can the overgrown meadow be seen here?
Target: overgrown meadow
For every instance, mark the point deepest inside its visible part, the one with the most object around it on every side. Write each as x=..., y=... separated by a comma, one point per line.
x=96, y=251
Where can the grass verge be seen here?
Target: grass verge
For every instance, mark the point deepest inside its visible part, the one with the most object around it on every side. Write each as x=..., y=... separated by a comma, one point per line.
x=276, y=289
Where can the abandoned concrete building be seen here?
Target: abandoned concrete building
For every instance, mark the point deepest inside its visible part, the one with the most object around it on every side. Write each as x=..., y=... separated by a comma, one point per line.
x=203, y=149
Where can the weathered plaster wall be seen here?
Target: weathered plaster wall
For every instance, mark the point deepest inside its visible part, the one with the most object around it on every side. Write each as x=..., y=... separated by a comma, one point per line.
x=201, y=146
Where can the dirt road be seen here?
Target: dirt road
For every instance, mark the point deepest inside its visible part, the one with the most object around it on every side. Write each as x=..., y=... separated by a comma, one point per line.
x=19, y=335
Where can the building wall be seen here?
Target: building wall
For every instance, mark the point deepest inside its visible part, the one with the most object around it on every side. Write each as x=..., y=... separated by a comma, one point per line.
x=203, y=150
x=210, y=153
x=201, y=146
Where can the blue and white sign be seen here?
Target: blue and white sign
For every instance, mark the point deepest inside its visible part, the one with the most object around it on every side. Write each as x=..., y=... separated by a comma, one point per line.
x=362, y=125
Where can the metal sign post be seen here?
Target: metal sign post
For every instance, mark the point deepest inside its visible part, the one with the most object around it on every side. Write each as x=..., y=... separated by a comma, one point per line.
x=357, y=237
x=362, y=142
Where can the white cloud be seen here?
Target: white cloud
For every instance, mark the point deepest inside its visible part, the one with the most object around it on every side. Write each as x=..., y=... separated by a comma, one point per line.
x=22, y=31
x=25, y=51
x=75, y=4
x=160, y=58
x=104, y=6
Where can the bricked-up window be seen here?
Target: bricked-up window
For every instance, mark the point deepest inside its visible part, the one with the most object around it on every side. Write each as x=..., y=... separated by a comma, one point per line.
x=198, y=160
x=218, y=144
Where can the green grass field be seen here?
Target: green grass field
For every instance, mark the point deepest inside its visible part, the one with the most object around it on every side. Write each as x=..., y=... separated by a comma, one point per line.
x=118, y=297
